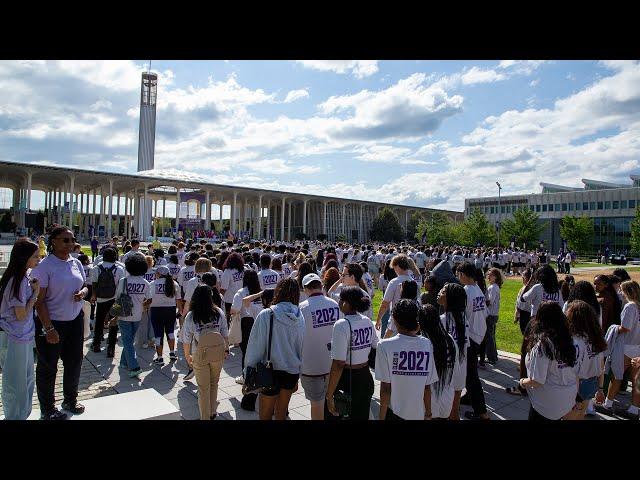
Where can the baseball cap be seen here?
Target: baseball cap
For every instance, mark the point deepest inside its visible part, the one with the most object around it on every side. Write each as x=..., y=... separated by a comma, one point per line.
x=162, y=270
x=311, y=277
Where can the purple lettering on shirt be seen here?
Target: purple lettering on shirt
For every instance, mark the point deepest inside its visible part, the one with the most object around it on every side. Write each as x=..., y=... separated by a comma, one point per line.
x=410, y=363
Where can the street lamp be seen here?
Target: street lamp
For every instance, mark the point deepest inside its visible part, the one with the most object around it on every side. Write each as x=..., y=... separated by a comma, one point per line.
x=499, y=210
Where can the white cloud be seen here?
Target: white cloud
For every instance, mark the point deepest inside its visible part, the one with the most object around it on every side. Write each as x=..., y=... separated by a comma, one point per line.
x=534, y=83
x=359, y=68
x=294, y=95
x=477, y=75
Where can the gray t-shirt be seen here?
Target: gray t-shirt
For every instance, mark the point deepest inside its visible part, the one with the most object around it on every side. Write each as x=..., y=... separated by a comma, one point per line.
x=192, y=330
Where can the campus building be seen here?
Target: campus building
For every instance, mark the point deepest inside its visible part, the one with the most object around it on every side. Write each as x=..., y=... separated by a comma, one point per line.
x=113, y=203
x=611, y=205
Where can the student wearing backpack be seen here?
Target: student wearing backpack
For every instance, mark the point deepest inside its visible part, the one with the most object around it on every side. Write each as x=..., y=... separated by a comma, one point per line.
x=206, y=324
x=104, y=278
x=136, y=288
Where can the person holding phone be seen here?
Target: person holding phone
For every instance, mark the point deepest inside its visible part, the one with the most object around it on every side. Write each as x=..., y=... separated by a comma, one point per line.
x=17, y=330
x=60, y=324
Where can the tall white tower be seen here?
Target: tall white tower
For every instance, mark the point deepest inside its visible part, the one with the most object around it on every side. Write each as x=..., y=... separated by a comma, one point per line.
x=147, y=137
x=147, y=140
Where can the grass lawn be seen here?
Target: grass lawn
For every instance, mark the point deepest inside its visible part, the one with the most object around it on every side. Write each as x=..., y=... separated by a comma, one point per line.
x=508, y=336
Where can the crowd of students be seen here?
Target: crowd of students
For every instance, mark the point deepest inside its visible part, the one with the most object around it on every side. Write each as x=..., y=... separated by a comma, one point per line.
x=305, y=310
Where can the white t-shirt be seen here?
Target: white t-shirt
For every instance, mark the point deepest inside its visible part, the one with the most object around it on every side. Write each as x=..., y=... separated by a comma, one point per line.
x=363, y=338
x=420, y=259
x=137, y=288
x=442, y=402
x=368, y=280
x=476, y=313
x=286, y=269
x=320, y=314
x=629, y=320
x=150, y=276
x=231, y=282
x=557, y=394
x=174, y=270
x=186, y=274
x=191, y=286
x=536, y=295
x=406, y=362
x=591, y=364
x=94, y=273
x=392, y=292
x=521, y=303
x=252, y=310
x=493, y=299
x=268, y=279
x=460, y=374
x=158, y=297
x=181, y=254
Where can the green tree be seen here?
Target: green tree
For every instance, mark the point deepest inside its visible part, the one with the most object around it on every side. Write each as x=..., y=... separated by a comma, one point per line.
x=341, y=237
x=322, y=237
x=438, y=228
x=386, y=227
x=578, y=232
x=412, y=224
x=524, y=226
x=476, y=228
x=635, y=234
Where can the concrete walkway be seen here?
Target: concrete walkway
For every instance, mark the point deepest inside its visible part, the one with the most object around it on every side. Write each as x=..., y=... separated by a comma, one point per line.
x=101, y=377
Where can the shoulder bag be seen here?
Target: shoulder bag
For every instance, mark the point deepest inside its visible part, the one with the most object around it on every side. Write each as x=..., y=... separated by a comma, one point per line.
x=342, y=399
x=262, y=376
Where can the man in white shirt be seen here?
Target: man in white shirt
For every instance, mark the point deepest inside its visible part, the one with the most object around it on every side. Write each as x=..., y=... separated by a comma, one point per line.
x=135, y=248
x=400, y=265
x=320, y=313
x=267, y=277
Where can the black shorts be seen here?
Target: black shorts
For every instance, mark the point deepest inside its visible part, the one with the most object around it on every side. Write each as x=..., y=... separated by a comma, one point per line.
x=282, y=380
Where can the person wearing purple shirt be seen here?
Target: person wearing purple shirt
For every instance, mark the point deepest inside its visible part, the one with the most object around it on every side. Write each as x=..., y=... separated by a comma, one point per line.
x=60, y=324
x=18, y=296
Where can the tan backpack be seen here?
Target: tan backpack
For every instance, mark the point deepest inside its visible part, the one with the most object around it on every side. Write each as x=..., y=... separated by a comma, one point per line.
x=210, y=348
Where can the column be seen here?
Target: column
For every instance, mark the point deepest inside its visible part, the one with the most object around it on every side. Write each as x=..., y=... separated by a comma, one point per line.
x=164, y=213
x=126, y=215
x=282, y=219
x=72, y=188
x=177, y=209
x=93, y=218
x=361, y=235
x=110, y=218
x=324, y=218
x=80, y=221
x=344, y=219
x=259, y=219
x=145, y=214
x=244, y=215
x=29, y=178
x=220, y=222
x=234, y=213
x=207, y=217
x=268, y=219
x=289, y=230
x=304, y=217
x=155, y=215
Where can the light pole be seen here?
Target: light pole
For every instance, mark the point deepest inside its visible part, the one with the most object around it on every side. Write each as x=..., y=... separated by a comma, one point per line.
x=499, y=210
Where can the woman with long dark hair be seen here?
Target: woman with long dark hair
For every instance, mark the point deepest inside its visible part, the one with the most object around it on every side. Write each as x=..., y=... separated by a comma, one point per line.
x=205, y=318
x=609, y=301
x=523, y=317
x=446, y=357
x=590, y=342
x=547, y=289
x=247, y=313
x=453, y=300
x=352, y=339
x=231, y=280
x=60, y=324
x=552, y=367
x=17, y=330
x=584, y=291
x=163, y=292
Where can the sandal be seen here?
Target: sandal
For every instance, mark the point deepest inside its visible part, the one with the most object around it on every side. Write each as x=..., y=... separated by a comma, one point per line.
x=517, y=391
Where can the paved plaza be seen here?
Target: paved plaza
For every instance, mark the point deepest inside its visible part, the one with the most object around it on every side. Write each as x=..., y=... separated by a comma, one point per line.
x=101, y=376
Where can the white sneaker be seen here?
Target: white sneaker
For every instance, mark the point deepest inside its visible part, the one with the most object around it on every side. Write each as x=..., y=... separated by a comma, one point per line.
x=189, y=375
x=240, y=380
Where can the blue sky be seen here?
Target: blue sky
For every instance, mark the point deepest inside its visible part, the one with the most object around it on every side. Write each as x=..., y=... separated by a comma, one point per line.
x=426, y=133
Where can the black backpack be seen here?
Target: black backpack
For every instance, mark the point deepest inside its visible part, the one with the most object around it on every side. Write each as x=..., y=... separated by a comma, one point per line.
x=106, y=285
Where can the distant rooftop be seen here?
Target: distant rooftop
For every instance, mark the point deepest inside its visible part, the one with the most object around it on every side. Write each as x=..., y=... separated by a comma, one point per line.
x=589, y=185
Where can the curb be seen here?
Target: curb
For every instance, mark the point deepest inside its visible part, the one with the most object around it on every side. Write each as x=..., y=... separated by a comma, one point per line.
x=510, y=355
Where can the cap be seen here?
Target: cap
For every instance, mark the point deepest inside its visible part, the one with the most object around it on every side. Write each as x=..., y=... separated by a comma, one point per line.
x=311, y=277
x=162, y=270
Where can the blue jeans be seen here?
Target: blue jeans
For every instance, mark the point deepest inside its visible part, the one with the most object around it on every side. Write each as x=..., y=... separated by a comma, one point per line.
x=128, y=332
x=385, y=322
x=18, y=381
